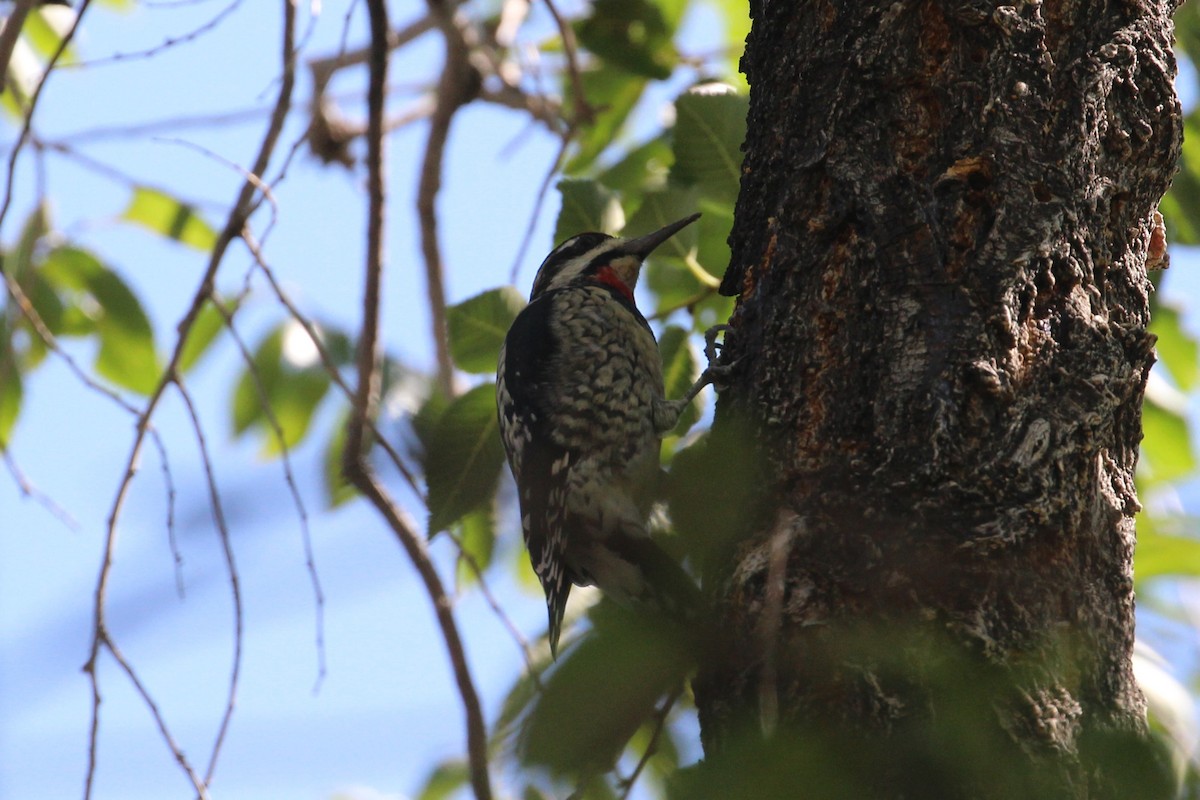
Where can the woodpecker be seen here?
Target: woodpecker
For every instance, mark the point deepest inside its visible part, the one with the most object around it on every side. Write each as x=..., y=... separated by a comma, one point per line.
x=579, y=393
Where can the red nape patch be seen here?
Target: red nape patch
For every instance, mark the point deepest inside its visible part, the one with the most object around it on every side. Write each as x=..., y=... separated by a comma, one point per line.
x=608, y=277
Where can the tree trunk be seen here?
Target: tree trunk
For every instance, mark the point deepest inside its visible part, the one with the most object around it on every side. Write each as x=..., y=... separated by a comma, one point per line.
x=941, y=243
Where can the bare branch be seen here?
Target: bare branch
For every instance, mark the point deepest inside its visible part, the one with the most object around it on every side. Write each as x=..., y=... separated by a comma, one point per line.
x=583, y=112
x=354, y=461
x=458, y=84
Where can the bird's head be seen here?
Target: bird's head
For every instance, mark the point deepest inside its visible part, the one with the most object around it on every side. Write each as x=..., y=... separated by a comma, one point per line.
x=601, y=259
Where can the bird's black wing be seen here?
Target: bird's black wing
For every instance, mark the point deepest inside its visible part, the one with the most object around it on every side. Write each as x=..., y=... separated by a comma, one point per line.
x=539, y=465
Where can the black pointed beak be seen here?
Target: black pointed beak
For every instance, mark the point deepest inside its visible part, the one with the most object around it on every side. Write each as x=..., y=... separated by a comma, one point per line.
x=644, y=245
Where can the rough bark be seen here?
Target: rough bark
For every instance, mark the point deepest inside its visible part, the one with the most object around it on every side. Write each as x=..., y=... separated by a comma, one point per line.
x=940, y=251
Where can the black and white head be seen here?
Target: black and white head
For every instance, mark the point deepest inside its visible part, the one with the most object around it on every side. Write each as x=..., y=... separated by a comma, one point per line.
x=600, y=258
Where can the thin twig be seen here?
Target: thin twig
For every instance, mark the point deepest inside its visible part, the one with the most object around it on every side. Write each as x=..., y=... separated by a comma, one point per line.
x=218, y=512
x=28, y=489
x=660, y=722
x=234, y=225
x=200, y=786
x=583, y=114
x=330, y=367
x=9, y=35
x=289, y=477
x=176, y=554
x=354, y=462
x=166, y=44
x=543, y=190
x=494, y=604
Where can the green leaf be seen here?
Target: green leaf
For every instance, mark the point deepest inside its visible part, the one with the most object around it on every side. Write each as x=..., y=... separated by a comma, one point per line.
x=476, y=533
x=292, y=388
x=424, y=422
x=586, y=206
x=1166, y=446
x=169, y=217
x=633, y=35
x=641, y=169
x=613, y=679
x=1181, y=206
x=679, y=372
x=477, y=327
x=688, y=267
x=45, y=38
x=337, y=489
x=10, y=386
x=209, y=323
x=735, y=22
x=710, y=126
x=462, y=462
x=127, y=356
x=1177, y=350
x=1164, y=550
x=265, y=370
x=20, y=260
x=612, y=94
x=659, y=209
x=445, y=779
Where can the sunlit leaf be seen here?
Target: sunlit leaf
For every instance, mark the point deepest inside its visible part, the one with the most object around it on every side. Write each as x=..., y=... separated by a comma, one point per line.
x=209, y=323
x=709, y=128
x=462, y=463
x=167, y=216
x=10, y=386
x=337, y=489
x=19, y=262
x=1177, y=350
x=127, y=356
x=477, y=327
x=1166, y=446
x=44, y=31
x=292, y=389
x=679, y=373
x=445, y=779
x=586, y=206
x=735, y=21
x=1181, y=206
x=1166, y=548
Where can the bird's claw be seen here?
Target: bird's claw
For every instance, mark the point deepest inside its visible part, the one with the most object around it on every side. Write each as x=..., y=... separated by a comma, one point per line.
x=711, y=346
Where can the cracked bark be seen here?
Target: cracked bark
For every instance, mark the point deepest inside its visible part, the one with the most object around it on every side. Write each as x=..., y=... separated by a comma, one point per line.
x=940, y=249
